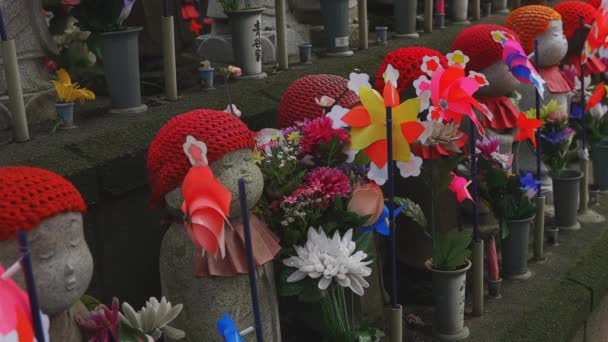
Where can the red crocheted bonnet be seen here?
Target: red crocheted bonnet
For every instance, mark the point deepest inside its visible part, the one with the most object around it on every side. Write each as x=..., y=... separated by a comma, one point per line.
x=168, y=164
x=595, y=3
x=407, y=60
x=529, y=22
x=477, y=43
x=29, y=195
x=298, y=101
x=570, y=12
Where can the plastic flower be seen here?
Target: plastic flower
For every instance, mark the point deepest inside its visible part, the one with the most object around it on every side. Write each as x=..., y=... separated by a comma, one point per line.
x=410, y=168
x=598, y=111
x=527, y=128
x=555, y=137
x=332, y=182
x=459, y=187
x=325, y=101
x=367, y=200
x=196, y=151
x=126, y=10
x=330, y=260
x=487, y=146
x=358, y=80
x=153, y=319
x=68, y=92
x=382, y=224
x=440, y=139
x=368, y=126
x=599, y=93
x=318, y=132
x=391, y=75
x=336, y=114
x=227, y=329
x=234, y=71
x=206, y=208
x=576, y=112
x=232, y=109
x=528, y=182
x=457, y=58
x=102, y=323
x=451, y=92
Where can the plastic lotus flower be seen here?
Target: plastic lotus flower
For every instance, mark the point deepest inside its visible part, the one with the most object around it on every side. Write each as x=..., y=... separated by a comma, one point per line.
x=368, y=126
x=102, y=323
x=330, y=260
x=516, y=59
x=68, y=92
x=527, y=128
x=227, y=329
x=382, y=224
x=459, y=187
x=153, y=319
x=450, y=90
x=440, y=139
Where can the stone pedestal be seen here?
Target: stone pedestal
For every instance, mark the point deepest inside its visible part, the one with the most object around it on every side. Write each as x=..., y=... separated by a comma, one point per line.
x=27, y=26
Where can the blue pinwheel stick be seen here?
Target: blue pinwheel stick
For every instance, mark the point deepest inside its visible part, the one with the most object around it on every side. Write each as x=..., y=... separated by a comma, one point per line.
x=30, y=284
x=252, y=275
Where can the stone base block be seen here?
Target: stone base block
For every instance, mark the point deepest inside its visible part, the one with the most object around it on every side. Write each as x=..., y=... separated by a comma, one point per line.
x=39, y=107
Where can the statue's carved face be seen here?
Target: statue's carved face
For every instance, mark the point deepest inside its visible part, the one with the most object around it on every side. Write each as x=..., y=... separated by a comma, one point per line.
x=61, y=261
x=552, y=44
x=502, y=82
x=233, y=166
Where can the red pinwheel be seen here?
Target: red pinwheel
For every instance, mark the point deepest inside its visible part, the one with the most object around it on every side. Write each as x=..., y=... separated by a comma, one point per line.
x=597, y=36
x=527, y=128
x=598, y=94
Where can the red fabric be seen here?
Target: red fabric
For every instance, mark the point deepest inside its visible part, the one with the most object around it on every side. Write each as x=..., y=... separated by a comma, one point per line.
x=504, y=112
x=265, y=247
x=593, y=66
x=477, y=43
x=571, y=11
x=168, y=164
x=407, y=61
x=556, y=82
x=29, y=195
x=298, y=101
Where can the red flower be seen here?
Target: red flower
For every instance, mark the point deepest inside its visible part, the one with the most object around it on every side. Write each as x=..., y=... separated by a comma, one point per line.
x=195, y=27
x=318, y=132
x=50, y=64
x=331, y=182
x=526, y=128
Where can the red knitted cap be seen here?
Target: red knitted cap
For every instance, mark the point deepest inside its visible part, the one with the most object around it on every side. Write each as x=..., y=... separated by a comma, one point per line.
x=529, y=22
x=595, y=3
x=298, y=101
x=571, y=11
x=477, y=43
x=168, y=164
x=29, y=195
x=407, y=60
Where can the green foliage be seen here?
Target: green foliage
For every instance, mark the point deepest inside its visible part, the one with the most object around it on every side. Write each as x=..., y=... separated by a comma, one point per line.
x=98, y=15
x=412, y=210
x=129, y=334
x=331, y=153
x=369, y=334
x=450, y=250
x=557, y=155
x=441, y=169
x=234, y=5
x=89, y=302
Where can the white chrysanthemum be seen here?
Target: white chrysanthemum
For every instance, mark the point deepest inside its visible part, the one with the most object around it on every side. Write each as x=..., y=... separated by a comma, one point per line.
x=153, y=319
x=330, y=260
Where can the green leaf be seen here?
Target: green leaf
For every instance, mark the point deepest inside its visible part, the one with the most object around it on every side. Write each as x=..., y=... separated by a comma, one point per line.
x=504, y=230
x=450, y=250
x=412, y=210
x=361, y=159
x=89, y=302
x=129, y=334
x=365, y=242
x=289, y=289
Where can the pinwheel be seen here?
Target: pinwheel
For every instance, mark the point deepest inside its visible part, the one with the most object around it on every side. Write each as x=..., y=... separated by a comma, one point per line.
x=227, y=329
x=527, y=127
x=598, y=95
x=596, y=38
x=14, y=311
x=368, y=126
x=459, y=187
x=451, y=90
x=516, y=59
x=382, y=225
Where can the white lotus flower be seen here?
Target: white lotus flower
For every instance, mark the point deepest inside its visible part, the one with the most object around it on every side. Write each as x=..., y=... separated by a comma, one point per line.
x=336, y=114
x=153, y=319
x=330, y=260
x=356, y=81
x=598, y=111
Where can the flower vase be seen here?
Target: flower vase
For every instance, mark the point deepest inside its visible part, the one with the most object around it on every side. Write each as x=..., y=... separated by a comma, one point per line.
x=460, y=10
x=515, y=250
x=305, y=53
x=566, y=188
x=120, y=54
x=65, y=111
x=336, y=25
x=404, y=12
x=246, y=27
x=500, y=6
x=206, y=76
x=599, y=156
x=382, y=35
x=449, y=298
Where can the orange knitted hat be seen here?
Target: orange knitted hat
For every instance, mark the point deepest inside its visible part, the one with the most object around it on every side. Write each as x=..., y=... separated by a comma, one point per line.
x=477, y=43
x=168, y=164
x=407, y=61
x=529, y=22
x=298, y=101
x=570, y=12
x=29, y=195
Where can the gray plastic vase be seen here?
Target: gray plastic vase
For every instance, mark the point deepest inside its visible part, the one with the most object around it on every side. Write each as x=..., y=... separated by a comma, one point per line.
x=246, y=28
x=66, y=114
x=515, y=250
x=335, y=20
x=566, y=188
x=600, y=165
x=404, y=12
x=449, y=297
x=120, y=53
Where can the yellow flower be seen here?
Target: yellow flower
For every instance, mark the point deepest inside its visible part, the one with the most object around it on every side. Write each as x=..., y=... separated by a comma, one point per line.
x=293, y=136
x=67, y=91
x=257, y=156
x=546, y=110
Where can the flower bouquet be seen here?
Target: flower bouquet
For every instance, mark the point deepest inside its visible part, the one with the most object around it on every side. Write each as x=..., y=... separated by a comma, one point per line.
x=67, y=94
x=556, y=138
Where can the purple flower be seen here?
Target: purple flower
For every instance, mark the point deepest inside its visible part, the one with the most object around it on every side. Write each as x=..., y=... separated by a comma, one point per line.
x=555, y=137
x=528, y=182
x=126, y=10
x=576, y=112
x=102, y=323
x=487, y=146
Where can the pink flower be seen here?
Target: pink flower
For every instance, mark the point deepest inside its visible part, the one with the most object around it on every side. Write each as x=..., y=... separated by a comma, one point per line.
x=318, y=132
x=235, y=71
x=334, y=182
x=290, y=199
x=325, y=101
x=488, y=146
x=102, y=323
x=367, y=200
x=49, y=64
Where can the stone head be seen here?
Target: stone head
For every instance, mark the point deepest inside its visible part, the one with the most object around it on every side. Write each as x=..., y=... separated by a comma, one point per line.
x=544, y=24
x=485, y=56
x=50, y=209
x=229, y=148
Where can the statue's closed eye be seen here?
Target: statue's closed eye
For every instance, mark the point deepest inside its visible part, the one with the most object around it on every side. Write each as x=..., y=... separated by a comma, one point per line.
x=46, y=254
